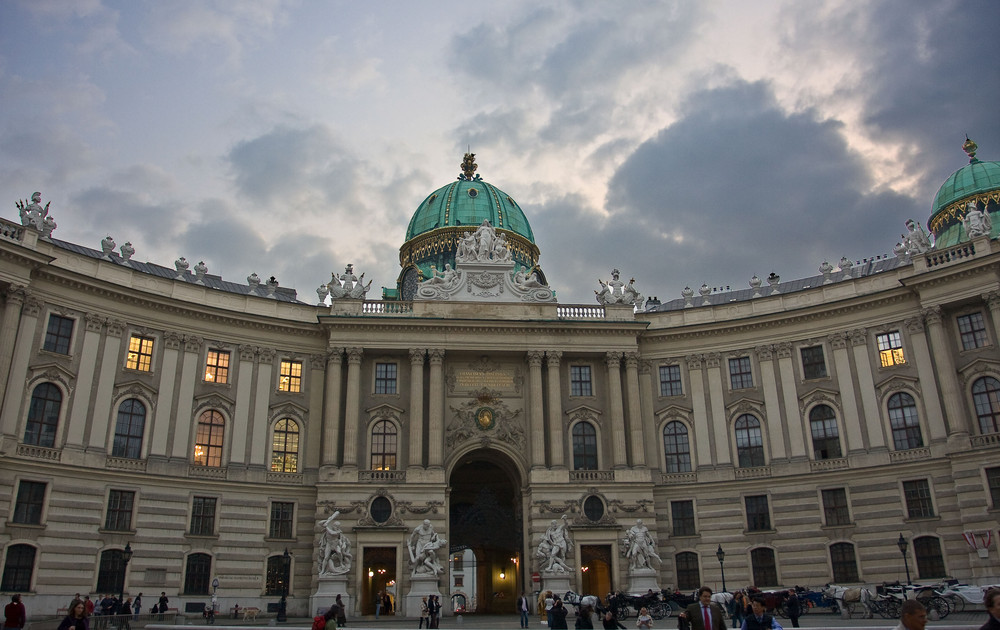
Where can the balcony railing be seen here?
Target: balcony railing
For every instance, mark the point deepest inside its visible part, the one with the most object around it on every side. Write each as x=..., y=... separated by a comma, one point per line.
x=382, y=476
x=591, y=475
x=828, y=464
x=39, y=452
x=910, y=455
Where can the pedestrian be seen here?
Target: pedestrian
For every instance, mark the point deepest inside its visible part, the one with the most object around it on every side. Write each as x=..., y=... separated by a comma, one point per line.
x=610, y=623
x=583, y=619
x=125, y=611
x=739, y=608
x=794, y=607
x=88, y=605
x=341, y=613
x=137, y=606
x=704, y=614
x=549, y=603
x=992, y=602
x=14, y=613
x=644, y=620
x=162, y=604
x=559, y=613
x=77, y=618
x=425, y=616
x=434, y=607
x=331, y=618
x=522, y=608
x=760, y=620
x=378, y=604
x=913, y=616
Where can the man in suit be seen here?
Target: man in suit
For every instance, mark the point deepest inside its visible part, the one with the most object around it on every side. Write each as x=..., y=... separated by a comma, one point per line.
x=704, y=615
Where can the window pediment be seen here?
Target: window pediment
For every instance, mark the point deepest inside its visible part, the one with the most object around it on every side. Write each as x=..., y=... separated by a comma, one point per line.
x=385, y=410
x=818, y=396
x=978, y=368
x=673, y=412
x=288, y=410
x=52, y=372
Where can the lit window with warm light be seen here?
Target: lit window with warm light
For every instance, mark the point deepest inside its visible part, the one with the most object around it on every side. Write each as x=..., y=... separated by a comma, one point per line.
x=384, y=444
x=217, y=367
x=290, y=377
x=140, y=354
x=890, y=349
x=285, y=447
x=208, y=442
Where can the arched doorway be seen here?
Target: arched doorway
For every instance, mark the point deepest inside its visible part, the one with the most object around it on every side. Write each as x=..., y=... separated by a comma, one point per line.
x=485, y=524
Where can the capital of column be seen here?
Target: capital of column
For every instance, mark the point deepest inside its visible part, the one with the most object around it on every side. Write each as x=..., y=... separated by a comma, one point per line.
x=93, y=322
x=859, y=337
x=317, y=361
x=354, y=355
x=417, y=355
x=838, y=340
x=32, y=306
x=932, y=315
x=783, y=350
x=266, y=354
x=552, y=358
x=247, y=353
x=713, y=359
x=914, y=325
x=16, y=294
x=632, y=360
x=613, y=359
x=334, y=355
x=764, y=352
x=992, y=299
x=172, y=340
x=192, y=343
x=535, y=358
x=116, y=327
x=435, y=355
x=694, y=361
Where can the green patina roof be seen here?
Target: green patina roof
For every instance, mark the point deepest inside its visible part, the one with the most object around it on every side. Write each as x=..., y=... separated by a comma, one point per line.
x=976, y=177
x=468, y=202
x=977, y=182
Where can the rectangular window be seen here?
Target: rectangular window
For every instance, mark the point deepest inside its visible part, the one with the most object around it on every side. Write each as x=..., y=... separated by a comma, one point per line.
x=30, y=499
x=119, y=516
x=758, y=518
x=385, y=378
x=458, y=562
x=59, y=334
x=918, y=498
x=890, y=348
x=579, y=381
x=670, y=380
x=290, y=376
x=971, y=327
x=813, y=362
x=217, y=367
x=835, y=507
x=203, y=516
x=682, y=517
x=459, y=580
x=993, y=481
x=281, y=519
x=740, y=376
x=140, y=354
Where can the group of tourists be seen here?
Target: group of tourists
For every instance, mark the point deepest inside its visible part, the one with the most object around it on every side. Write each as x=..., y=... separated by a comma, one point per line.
x=335, y=617
x=430, y=611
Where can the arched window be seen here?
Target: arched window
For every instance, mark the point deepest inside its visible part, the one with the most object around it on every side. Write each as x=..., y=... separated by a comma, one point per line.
x=208, y=442
x=285, y=446
x=688, y=577
x=111, y=572
x=17, y=569
x=584, y=446
x=844, y=562
x=676, y=447
x=197, y=574
x=276, y=575
x=826, y=439
x=986, y=396
x=930, y=562
x=43, y=416
x=904, y=422
x=749, y=443
x=384, y=445
x=765, y=573
x=129, y=429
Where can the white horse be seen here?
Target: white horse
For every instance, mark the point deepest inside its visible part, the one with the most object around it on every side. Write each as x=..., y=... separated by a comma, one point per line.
x=845, y=596
x=576, y=599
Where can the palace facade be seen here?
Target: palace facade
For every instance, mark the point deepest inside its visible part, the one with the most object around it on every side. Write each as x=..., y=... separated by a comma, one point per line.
x=800, y=427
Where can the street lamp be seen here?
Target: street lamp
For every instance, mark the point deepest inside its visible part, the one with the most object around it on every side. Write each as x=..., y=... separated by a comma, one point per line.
x=903, y=546
x=126, y=557
x=721, y=555
x=283, y=604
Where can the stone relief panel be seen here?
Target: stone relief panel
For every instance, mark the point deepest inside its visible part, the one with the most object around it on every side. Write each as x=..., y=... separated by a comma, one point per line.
x=472, y=377
x=485, y=416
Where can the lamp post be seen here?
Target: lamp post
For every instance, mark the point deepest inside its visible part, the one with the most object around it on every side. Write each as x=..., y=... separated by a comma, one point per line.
x=903, y=546
x=283, y=604
x=126, y=557
x=721, y=555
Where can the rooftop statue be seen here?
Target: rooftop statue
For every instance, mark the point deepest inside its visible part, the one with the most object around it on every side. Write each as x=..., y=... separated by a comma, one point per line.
x=617, y=292
x=348, y=286
x=35, y=216
x=916, y=241
x=976, y=222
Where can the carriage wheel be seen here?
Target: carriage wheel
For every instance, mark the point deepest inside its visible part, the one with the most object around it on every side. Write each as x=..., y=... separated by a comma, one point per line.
x=659, y=610
x=957, y=603
x=621, y=611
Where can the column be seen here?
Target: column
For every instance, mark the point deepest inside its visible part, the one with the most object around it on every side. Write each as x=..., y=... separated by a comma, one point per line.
x=258, y=421
x=536, y=409
x=244, y=390
x=652, y=445
x=352, y=414
x=872, y=421
x=190, y=373
x=616, y=423
x=435, y=409
x=951, y=391
x=793, y=417
x=638, y=444
x=699, y=411
x=720, y=423
x=772, y=406
x=853, y=435
x=99, y=437
x=164, y=421
x=417, y=407
x=557, y=429
x=925, y=369
x=330, y=452
x=76, y=420
x=13, y=300
x=992, y=300
x=19, y=364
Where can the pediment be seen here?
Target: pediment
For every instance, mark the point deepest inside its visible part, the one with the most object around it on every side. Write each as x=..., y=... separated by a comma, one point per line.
x=979, y=368
x=384, y=409
x=289, y=409
x=214, y=399
x=583, y=410
x=52, y=371
x=673, y=411
x=830, y=397
x=135, y=387
x=897, y=383
x=745, y=404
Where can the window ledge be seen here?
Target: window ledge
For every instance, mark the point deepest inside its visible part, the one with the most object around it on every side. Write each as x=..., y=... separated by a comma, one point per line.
x=123, y=532
x=38, y=526
x=921, y=519
x=281, y=540
x=201, y=536
x=686, y=536
x=850, y=525
x=752, y=532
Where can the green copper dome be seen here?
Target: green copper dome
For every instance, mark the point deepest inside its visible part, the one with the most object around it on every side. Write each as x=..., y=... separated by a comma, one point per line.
x=977, y=182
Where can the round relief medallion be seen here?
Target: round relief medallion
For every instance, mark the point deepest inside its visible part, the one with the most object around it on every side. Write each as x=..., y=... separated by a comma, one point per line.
x=484, y=418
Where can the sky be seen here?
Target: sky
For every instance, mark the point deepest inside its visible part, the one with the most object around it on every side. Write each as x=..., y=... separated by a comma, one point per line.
x=684, y=143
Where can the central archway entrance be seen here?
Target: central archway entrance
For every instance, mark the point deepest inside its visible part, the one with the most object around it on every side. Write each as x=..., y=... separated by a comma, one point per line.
x=485, y=524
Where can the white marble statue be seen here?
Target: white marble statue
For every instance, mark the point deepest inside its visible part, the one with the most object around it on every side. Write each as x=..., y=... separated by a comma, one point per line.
x=976, y=222
x=553, y=546
x=334, y=548
x=501, y=250
x=916, y=241
x=107, y=245
x=485, y=236
x=466, y=250
x=348, y=286
x=32, y=213
x=615, y=291
x=127, y=250
x=527, y=281
x=639, y=547
x=423, y=545
x=446, y=279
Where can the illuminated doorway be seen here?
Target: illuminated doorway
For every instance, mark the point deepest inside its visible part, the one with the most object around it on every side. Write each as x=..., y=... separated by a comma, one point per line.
x=595, y=570
x=379, y=580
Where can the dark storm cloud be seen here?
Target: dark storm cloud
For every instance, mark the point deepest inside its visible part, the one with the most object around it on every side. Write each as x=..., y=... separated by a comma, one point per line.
x=735, y=186
x=128, y=216
x=923, y=64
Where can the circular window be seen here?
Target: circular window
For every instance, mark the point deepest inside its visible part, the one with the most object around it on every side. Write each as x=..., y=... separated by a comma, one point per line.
x=381, y=509
x=593, y=508
x=473, y=192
